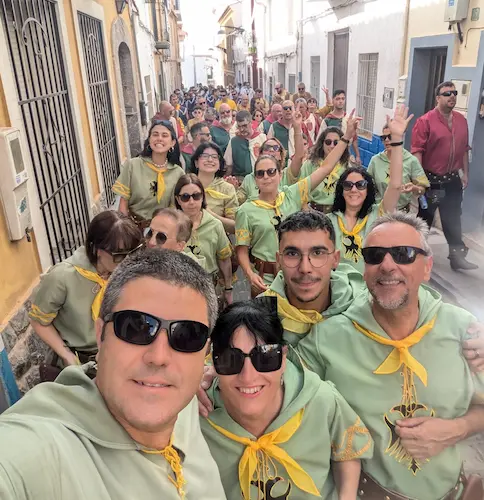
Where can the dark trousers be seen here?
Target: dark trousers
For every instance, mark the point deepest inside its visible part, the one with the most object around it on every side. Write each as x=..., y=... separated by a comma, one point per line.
x=447, y=197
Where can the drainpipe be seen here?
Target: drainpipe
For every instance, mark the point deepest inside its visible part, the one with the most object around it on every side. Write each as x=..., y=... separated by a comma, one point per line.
x=406, y=21
x=142, y=102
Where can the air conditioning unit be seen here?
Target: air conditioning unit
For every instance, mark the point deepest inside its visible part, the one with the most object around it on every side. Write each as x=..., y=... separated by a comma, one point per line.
x=456, y=11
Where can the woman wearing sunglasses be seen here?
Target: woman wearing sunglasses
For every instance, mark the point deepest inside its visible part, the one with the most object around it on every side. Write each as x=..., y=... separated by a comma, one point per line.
x=147, y=182
x=322, y=198
x=209, y=165
x=257, y=118
x=257, y=221
x=208, y=241
x=277, y=430
x=355, y=208
x=414, y=180
x=68, y=299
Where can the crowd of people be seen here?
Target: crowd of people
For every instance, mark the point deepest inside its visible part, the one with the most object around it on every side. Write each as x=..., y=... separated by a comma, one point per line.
x=345, y=376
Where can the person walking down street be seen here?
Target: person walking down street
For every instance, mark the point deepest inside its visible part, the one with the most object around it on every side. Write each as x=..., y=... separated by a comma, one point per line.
x=280, y=94
x=244, y=104
x=258, y=102
x=225, y=100
x=414, y=183
x=221, y=129
x=309, y=120
x=66, y=303
x=440, y=141
x=301, y=93
x=200, y=133
x=198, y=115
x=274, y=116
x=147, y=182
x=169, y=229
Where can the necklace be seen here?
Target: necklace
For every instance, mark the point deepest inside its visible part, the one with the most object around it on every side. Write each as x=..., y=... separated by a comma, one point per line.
x=160, y=166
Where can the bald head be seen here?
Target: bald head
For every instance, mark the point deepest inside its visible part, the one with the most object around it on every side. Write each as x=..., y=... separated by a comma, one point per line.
x=224, y=107
x=166, y=110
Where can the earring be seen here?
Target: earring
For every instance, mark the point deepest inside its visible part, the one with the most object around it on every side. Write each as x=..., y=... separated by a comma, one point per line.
x=170, y=150
x=282, y=380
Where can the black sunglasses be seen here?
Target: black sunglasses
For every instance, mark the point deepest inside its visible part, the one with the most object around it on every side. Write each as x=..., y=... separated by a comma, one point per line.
x=160, y=236
x=400, y=255
x=165, y=123
x=384, y=137
x=271, y=172
x=265, y=358
x=139, y=328
x=287, y=108
x=360, y=185
x=185, y=197
x=120, y=256
x=448, y=93
x=271, y=147
x=328, y=142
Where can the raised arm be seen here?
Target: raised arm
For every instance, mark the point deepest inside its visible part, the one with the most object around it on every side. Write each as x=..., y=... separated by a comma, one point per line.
x=297, y=159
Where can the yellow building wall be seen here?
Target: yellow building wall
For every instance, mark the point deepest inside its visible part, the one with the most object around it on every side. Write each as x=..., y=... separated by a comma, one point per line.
x=19, y=263
x=427, y=19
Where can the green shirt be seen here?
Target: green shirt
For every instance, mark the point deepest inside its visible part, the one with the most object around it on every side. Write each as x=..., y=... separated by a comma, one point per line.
x=379, y=169
x=220, y=136
x=209, y=240
x=249, y=191
x=350, y=244
x=138, y=184
x=329, y=431
x=243, y=153
x=64, y=299
x=285, y=137
x=61, y=442
x=221, y=198
x=324, y=193
x=337, y=351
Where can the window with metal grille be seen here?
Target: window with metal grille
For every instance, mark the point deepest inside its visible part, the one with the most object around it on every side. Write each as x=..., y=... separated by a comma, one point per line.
x=292, y=84
x=366, y=95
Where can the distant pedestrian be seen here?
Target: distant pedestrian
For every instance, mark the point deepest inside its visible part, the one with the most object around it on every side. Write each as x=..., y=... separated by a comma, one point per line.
x=301, y=93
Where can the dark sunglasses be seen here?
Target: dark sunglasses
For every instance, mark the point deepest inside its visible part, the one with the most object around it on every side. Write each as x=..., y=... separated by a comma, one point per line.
x=202, y=102
x=265, y=358
x=287, y=108
x=302, y=89
x=227, y=112
x=329, y=142
x=185, y=197
x=384, y=137
x=360, y=185
x=140, y=328
x=120, y=256
x=160, y=237
x=448, y=93
x=165, y=123
x=274, y=148
x=400, y=255
x=271, y=172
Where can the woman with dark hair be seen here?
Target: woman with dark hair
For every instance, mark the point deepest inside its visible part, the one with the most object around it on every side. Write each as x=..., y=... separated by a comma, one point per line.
x=209, y=165
x=257, y=221
x=147, y=182
x=67, y=301
x=276, y=426
x=322, y=198
x=209, y=242
x=257, y=119
x=354, y=209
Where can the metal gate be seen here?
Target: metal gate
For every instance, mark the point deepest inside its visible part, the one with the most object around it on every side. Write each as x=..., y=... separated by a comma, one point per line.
x=102, y=112
x=33, y=40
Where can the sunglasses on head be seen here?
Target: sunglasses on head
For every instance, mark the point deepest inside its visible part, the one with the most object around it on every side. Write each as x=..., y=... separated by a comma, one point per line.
x=271, y=172
x=329, y=142
x=265, y=358
x=448, y=93
x=120, y=256
x=287, y=108
x=400, y=255
x=159, y=236
x=384, y=137
x=139, y=328
x=185, y=197
x=360, y=185
x=274, y=147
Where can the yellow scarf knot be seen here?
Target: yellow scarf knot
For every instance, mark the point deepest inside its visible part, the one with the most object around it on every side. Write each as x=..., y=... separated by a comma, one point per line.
x=400, y=354
x=270, y=206
x=216, y=195
x=160, y=190
x=94, y=277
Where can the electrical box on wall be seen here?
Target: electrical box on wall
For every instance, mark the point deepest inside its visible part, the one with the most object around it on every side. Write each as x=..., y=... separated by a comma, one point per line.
x=456, y=11
x=13, y=185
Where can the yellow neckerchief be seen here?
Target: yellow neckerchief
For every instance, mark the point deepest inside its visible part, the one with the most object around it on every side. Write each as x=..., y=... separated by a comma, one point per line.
x=96, y=304
x=269, y=206
x=355, y=232
x=294, y=320
x=216, y=195
x=258, y=454
x=400, y=354
x=173, y=459
x=160, y=180
x=332, y=178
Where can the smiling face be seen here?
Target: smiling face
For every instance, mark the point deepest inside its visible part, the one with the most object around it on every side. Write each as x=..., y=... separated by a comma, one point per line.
x=191, y=207
x=267, y=184
x=331, y=136
x=250, y=394
x=396, y=286
x=160, y=139
x=209, y=161
x=354, y=199
x=164, y=224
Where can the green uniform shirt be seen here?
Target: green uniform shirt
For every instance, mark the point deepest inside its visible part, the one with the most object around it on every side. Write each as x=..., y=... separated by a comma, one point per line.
x=243, y=153
x=64, y=299
x=249, y=191
x=209, y=241
x=350, y=245
x=379, y=169
x=324, y=193
x=256, y=227
x=60, y=442
x=329, y=431
x=337, y=351
x=138, y=184
x=285, y=137
x=220, y=136
x=221, y=198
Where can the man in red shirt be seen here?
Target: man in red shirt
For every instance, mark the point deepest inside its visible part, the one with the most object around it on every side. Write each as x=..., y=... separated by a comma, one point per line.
x=440, y=141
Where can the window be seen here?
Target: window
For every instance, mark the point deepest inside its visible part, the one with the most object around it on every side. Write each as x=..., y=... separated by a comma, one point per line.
x=292, y=84
x=366, y=95
x=271, y=86
x=149, y=96
x=281, y=73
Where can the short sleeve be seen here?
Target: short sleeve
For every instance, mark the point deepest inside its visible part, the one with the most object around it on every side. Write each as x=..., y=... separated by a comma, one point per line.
x=299, y=192
x=243, y=234
x=288, y=177
x=122, y=186
x=350, y=438
x=232, y=204
x=228, y=155
x=50, y=296
x=420, y=134
x=418, y=175
x=325, y=110
x=224, y=250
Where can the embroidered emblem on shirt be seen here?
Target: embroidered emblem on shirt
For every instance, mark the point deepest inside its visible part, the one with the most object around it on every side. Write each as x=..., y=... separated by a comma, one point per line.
x=195, y=249
x=351, y=249
x=272, y=484
x=154, y=188
x=276, y=221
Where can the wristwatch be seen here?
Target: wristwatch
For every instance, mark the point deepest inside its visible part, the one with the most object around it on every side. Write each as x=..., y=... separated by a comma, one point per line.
x=347, y=141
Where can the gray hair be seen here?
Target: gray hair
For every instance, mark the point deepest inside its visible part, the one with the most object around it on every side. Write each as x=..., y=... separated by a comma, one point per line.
x=301, y=100
x=175, y=268
x=410, y=220
x=184, y=224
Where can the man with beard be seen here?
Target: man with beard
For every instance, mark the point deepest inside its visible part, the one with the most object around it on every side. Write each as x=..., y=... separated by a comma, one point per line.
x=280, y=94
x=396, y=356
x=221, y=129
x=440, y=141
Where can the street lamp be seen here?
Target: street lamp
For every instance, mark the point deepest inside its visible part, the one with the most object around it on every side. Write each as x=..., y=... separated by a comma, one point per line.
x=234, y=29
x=120, y=5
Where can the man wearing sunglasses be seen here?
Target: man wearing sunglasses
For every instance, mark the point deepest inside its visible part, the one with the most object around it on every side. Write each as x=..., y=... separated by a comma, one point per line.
x=169, y=229
x=396, y=357
x=200, y=133
x=440, y=141
x=134, y=431
x=225, y=100
x=301, y=93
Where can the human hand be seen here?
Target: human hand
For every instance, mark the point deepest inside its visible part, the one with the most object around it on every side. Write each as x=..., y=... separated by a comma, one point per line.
x=352, y=126
x=464, y=180
x=473, y=349
x=70, y=359
x=409, y=187
x=228, y=297
x=326, y=91
x=232, y=180
x=204, y=404
x=297, y=119
x=399, y=123
x=257, y=283
x=358, y=161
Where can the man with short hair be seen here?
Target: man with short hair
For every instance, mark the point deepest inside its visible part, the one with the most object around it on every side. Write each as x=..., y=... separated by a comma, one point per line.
x=301, y=93
x=258, y=99
x=210, y=116
x=440, y=142
x=169, y=229
x=225, y=100
x=133, y=431
x=221, y=129
x=200, y=132
x=243, y=149
x=202, y=102
x=274, y=116
x=395, y=355
x=280, y=94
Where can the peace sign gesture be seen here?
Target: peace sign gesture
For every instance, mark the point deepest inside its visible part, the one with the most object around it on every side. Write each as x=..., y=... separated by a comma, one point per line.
x=399, y=123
